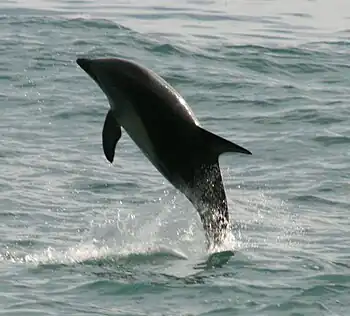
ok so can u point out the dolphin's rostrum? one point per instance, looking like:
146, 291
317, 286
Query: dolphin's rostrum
164, 127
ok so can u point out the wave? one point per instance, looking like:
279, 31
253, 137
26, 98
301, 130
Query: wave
90, 254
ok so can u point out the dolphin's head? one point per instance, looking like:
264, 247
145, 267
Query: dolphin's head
111, 75
108, 70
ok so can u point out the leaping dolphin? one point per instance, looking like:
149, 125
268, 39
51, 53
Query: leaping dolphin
163, 126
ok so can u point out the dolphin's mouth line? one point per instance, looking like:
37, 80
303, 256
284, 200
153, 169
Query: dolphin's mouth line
94, 77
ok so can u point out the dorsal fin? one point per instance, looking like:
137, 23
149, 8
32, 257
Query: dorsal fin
220, 145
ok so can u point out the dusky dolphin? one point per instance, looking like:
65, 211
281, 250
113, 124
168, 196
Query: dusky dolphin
163, 126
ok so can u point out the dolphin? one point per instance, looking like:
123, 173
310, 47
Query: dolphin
163, 126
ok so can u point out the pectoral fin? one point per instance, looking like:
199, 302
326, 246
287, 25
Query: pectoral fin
110, 135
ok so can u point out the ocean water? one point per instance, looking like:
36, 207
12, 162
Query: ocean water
80, 236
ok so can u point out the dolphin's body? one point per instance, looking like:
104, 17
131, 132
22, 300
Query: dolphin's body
163, 126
